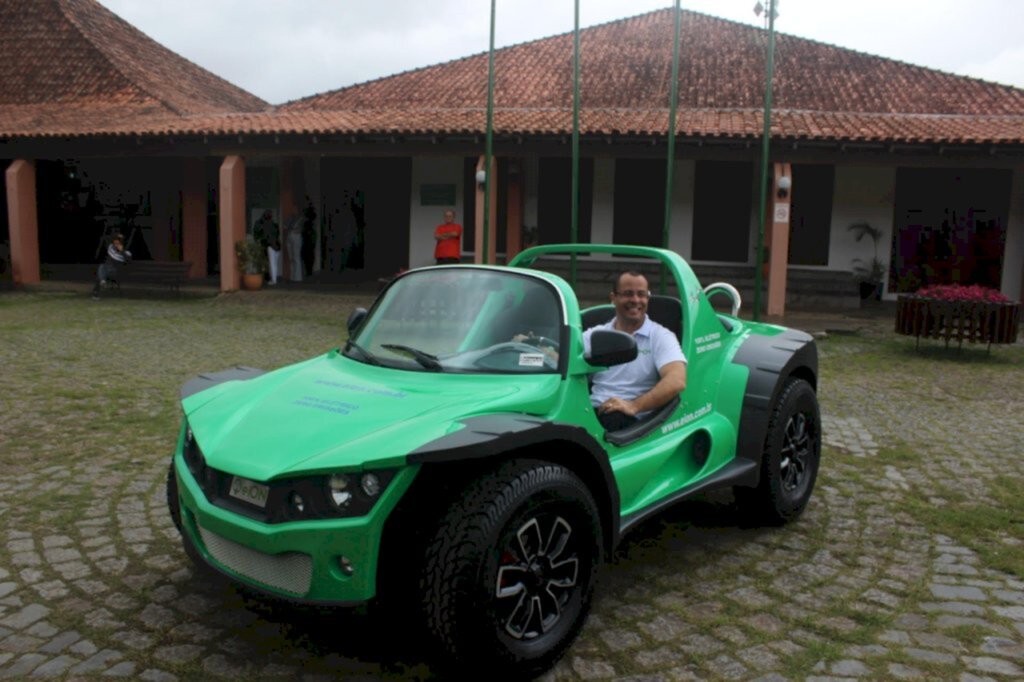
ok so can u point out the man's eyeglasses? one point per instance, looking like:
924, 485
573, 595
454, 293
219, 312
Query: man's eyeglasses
629, 293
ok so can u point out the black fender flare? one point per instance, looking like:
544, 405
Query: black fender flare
207, 380
493, 435
771, 360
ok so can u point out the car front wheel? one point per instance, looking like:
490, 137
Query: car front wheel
508, 579
791, 457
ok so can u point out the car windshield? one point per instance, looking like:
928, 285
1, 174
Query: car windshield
463, 319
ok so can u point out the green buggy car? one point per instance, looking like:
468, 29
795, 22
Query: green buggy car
446, 459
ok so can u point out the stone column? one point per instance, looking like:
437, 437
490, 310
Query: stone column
193, 215
23, 221
779, 242
232, 219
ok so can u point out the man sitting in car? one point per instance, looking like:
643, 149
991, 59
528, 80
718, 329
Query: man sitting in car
623, 394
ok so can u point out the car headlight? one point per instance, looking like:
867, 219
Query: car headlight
354, 494
193, 455
370, 483
337, 490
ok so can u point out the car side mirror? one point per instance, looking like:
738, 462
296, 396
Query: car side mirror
355, 319
609, 347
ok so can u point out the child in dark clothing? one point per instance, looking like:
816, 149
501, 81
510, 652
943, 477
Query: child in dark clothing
117, 256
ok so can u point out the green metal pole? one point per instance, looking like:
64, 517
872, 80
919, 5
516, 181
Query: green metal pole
765, 139
490, 141
574, 227
670, 170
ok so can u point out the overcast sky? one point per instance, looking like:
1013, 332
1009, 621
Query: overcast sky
285, 49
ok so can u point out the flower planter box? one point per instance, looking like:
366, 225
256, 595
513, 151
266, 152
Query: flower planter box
971, 321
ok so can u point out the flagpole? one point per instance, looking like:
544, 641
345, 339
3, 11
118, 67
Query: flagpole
488, 153
670, 170
765, 139
575, 221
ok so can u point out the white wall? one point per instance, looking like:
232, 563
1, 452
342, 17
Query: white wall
423, 219
1013, 260
602, 215
862, 194
680, 238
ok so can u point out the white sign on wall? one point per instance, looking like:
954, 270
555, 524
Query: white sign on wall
781, 213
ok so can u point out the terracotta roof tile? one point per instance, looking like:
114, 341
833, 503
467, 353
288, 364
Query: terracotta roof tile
71, 65
822, 92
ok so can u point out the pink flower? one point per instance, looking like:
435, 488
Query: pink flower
974, 293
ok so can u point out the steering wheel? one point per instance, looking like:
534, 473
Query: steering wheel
511, 347
537, 341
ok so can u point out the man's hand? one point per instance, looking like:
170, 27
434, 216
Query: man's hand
618, 405
672, 383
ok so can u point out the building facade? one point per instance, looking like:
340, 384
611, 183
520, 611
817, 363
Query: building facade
897, 173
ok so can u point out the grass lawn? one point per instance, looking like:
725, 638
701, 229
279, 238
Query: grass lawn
90, 413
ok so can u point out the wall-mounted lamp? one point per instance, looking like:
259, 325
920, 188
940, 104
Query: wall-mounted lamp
785, 182
481, 178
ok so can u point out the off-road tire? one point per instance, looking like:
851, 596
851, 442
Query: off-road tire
792, 453
507, 581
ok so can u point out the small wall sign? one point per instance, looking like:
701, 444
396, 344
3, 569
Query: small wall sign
437, 195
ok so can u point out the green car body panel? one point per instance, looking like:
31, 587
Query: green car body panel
339, 414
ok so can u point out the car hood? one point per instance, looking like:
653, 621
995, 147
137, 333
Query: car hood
333, 412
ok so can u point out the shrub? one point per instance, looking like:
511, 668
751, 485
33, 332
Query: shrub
974, 293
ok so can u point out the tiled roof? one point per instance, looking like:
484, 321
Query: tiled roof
713, 123
626, 64
73, 65
821, 92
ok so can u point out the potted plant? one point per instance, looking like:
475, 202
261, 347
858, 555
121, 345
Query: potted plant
870, 274
252, 260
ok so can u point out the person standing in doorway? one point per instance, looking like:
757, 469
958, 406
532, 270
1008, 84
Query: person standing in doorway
448, 236
265, 231
293, 241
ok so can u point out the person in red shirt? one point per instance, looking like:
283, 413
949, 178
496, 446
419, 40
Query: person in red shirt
449, 240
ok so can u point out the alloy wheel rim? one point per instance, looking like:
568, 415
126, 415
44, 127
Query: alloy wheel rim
537, 575
797, 450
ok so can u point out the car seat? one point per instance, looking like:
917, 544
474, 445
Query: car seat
665, 310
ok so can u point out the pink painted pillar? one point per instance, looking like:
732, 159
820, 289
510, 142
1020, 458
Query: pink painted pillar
23, 221
479, 218
514, 210
193, 215
232, 219
779, 246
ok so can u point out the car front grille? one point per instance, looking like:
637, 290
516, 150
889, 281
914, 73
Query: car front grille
290, 572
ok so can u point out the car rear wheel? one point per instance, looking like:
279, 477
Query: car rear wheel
508, 579
791, 458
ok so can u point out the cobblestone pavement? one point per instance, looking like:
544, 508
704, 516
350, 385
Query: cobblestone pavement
855, 589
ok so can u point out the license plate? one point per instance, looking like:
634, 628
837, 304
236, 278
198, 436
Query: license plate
249, 491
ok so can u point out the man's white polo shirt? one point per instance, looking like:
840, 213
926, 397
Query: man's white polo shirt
656, 347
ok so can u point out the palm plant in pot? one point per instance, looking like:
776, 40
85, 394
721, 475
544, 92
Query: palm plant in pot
870, 274
252, 260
